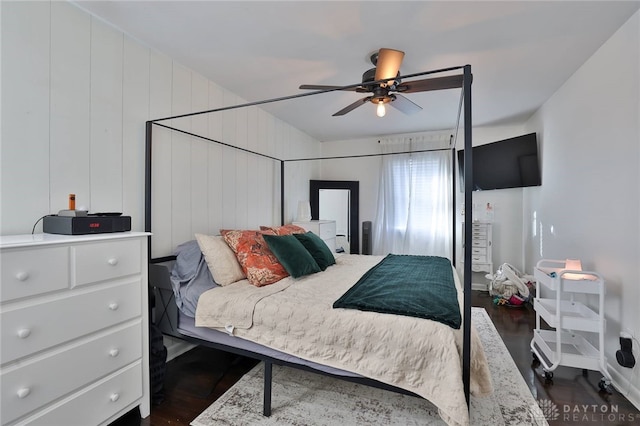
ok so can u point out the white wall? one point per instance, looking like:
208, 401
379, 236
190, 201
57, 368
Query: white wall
75, 96
588, 206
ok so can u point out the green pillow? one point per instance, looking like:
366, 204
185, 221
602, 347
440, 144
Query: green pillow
318, 249
292, 255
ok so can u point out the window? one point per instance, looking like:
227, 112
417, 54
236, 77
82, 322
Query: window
415, 204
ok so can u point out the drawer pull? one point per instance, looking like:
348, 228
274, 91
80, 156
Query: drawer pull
113, 261
114, 397
113, 306
22, 276
23, 333
23, 392
114, 352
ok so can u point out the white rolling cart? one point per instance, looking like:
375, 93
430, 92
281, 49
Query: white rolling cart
566, 344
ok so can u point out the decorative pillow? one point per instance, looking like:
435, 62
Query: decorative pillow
190, 276
292, 254
284, 229
259, 264
222, 262
318, 249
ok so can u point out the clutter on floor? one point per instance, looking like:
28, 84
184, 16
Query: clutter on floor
510, 287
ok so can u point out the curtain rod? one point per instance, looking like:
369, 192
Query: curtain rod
368, 155
302, 95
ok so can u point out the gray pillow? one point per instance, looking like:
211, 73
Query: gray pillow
190, 277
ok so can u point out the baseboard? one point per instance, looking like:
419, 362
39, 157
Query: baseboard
624, 386
479, 286
176, 347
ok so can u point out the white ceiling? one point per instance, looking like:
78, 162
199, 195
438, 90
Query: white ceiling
520, 52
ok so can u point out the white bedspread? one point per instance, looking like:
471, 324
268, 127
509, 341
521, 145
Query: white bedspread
297, 318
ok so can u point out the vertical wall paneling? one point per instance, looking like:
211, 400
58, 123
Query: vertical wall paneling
215, 161
135, 111
269, 203
181, 156
216, 100
242, 166
76, 94
160, 78
70, 127
229, 117
24, 168
254, 179
106, 118
229, 190
273, 176
199, 156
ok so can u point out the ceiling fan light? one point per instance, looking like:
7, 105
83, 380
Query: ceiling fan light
381, 110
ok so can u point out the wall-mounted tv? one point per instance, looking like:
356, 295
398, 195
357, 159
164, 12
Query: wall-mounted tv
509, 163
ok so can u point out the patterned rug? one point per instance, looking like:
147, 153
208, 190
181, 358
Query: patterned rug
303, 398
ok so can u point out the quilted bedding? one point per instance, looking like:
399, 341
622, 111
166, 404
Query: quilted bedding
297, 317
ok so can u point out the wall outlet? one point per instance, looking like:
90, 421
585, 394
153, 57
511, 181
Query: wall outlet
625, 355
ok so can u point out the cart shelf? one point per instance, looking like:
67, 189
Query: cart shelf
565, 344
575, 350
575, 315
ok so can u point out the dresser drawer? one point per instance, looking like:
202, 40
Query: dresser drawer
327, 230
30, 272
483, 267
39, 326
478, 258
479, 243
331, 243
97, 403
479, 251
106, 260
35, 384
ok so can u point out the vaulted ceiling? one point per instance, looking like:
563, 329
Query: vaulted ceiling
521, 52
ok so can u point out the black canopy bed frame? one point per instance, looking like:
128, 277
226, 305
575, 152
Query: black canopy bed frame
167, 311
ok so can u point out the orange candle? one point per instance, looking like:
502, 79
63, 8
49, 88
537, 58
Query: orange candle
72, 201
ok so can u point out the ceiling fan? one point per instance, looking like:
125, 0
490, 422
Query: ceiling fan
389, 86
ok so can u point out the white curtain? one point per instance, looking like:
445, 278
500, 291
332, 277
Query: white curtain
415, 201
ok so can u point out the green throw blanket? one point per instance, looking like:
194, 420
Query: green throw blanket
415, 286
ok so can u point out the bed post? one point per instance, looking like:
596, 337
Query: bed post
147, 184
468, 188
453, 210
281, 192
266, 407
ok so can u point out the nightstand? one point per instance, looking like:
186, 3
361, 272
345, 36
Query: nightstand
325, 229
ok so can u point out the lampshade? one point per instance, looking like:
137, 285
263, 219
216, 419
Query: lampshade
574, 265
304, 211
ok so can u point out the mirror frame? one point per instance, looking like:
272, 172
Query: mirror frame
354, 200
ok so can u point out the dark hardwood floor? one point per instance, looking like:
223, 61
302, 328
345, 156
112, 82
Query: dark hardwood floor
196, 379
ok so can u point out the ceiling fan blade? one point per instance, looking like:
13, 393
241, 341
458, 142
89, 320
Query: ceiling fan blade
405, 105
352, 106
388, 64
437, 83
320, 87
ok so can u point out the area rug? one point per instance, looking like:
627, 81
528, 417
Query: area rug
304, 398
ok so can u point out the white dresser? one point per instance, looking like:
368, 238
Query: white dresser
74, 322
325, 229
481, 245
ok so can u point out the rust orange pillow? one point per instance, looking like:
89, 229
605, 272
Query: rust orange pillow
258, 263
284, 229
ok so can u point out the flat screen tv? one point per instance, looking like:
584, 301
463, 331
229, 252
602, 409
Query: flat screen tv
509, 163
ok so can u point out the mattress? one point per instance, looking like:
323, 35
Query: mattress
186, 326
296, 317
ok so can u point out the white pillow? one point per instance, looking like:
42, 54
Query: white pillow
221, 260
